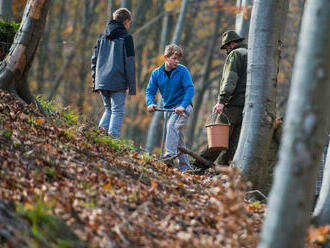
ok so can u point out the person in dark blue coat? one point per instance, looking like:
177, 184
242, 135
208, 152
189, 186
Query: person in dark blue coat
113, 70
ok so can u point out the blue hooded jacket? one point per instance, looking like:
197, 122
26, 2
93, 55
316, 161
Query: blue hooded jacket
113, 62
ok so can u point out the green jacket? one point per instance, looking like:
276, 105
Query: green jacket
233, 82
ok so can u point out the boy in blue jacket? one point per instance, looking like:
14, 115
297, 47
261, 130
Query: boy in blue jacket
113, 70
177, 90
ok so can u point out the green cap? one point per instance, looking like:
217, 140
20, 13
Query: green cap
228, 37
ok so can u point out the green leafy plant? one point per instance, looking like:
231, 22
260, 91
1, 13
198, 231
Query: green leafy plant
7, 34
47, 227
9, 27
115, 144
70, 116
7, 133
52, 173
36, 213
48, 105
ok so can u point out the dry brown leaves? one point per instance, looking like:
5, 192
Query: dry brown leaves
126, 200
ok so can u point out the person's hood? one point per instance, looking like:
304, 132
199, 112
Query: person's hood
114, 30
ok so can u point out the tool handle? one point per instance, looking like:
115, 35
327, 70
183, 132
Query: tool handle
164, 110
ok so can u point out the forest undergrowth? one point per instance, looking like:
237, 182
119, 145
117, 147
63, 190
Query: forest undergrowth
65, 183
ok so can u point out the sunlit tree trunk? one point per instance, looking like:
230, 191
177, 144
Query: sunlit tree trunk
306, 126
243, 17
153, 131
5, 10
322, 209
203, 85
267, 22
15, 67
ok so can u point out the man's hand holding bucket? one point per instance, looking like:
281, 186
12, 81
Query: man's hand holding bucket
218, 108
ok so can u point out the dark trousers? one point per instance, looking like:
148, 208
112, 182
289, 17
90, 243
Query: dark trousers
224, 157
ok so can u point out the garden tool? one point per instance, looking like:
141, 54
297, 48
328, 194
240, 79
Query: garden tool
166, 111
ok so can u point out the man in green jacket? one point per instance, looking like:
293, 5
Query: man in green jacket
231, 97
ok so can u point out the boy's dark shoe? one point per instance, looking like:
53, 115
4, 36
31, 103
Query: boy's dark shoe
199, 166
169, 159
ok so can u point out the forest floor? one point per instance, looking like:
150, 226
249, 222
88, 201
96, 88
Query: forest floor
65, 183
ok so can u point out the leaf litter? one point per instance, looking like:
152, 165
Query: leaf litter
117, 197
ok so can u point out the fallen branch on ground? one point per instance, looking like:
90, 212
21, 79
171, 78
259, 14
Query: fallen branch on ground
196, 156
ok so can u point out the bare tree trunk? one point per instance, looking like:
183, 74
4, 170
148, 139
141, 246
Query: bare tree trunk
268, 19
140, 14
5, 10
58, 36
243, 17
305, 129
15, 68
190, 31
180, 22
89, 12
43, 53
152, 131
60, 73
322, 209
139, 18
203, 83
126, 4
158, 31
67, 87
111, 8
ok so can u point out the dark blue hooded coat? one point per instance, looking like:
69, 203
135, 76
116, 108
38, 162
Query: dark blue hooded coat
113, 62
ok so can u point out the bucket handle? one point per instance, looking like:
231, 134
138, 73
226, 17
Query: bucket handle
214, 116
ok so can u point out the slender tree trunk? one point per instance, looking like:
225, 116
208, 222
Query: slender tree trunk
158, 31
200, 91
126, 4
111, 8
60, 73
58, 34
139, 16
322, 209
268, 19
5, 10
179, 24
68, 87
43, 53
64, 67
89, 12
190, 31
305, 129
152, 132
15, 68
243, 17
